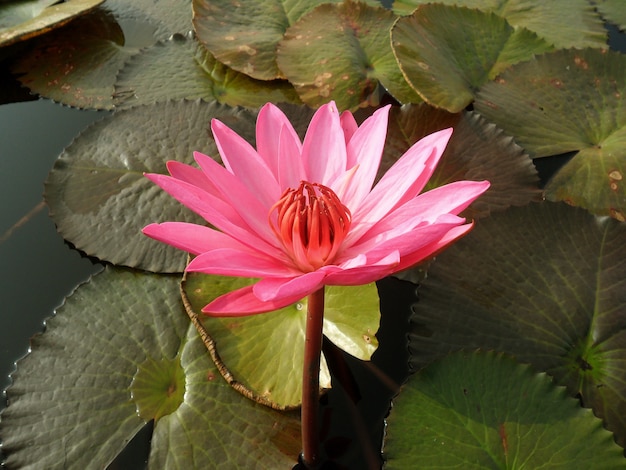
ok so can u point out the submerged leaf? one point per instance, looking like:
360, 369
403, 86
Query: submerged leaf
341, 52
446, 53
482, 410
262, 355
545, 283
98, 196
569, 101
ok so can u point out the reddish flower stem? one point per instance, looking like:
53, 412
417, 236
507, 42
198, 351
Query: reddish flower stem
311, 378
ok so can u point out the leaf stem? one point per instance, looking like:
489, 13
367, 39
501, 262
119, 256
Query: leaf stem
311, 378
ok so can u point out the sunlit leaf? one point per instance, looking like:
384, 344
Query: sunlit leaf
98, 196
545, 283
262, 355
477, 151
341, 52
245, 37
180, 68
569, 101
71, 400
446, 53
563, 23
20, 20
479, 410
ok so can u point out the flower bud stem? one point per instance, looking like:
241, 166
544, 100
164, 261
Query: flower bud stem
311, 378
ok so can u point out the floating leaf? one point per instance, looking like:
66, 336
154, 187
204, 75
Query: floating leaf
71, 398
545, 283
245, 38
96, 191
563, 23
262, 355
569, 101
26, 19
478, 410
341, 52
446, 53
477, 151
180, 68
612, 11
168, 16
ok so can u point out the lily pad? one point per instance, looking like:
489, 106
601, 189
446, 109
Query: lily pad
446, 53
96, 191
563, 23
262, 355
482, 410
20, 20
612, 11
71, 397
544, 283
341, 52
180, 68
567, 101
478, 150
245, 38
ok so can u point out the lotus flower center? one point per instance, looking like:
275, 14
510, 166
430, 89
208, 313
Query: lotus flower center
311, 223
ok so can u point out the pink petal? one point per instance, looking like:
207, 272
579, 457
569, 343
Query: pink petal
214, 210
271, 124
324, 147
451, 198
254, 212
243, 302
191, 175
191, 238
349, 126
367, 273
365, 149
402, 182
240, 263
290, 165
246, 164
289, 287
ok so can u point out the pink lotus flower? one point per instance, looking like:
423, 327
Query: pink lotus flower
301, 215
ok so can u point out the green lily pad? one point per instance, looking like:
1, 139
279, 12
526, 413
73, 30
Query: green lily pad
20, 20
262, 355
341, 52
180, 68
563, 23
612, 11
98, 196
544, 283
569, 101
478, 150
71, 398
245, 38
446, 53
482, 410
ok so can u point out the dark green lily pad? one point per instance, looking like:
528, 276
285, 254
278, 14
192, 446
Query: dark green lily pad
77, 65
245, 38
262, 355
180, 68
482, 410
98, 196
71, 398
478, 150
446, 53
563, 23
20, 20
341, 52
545, 283
568, 101
612, 11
